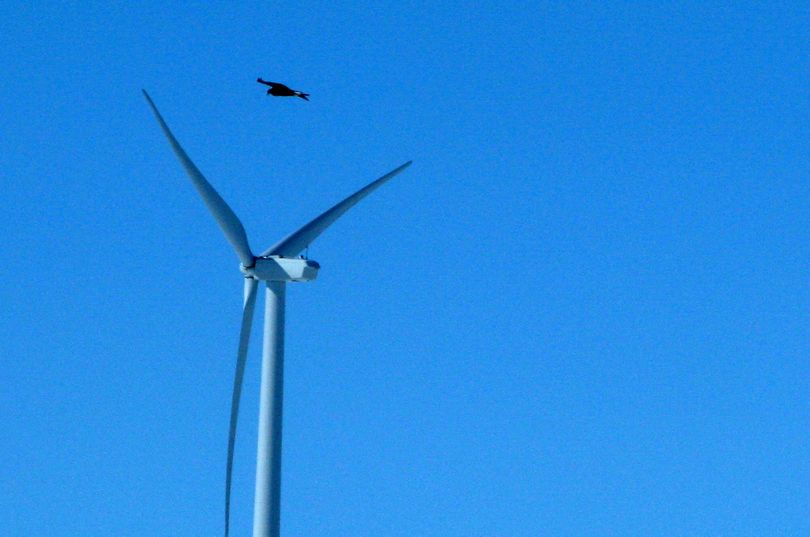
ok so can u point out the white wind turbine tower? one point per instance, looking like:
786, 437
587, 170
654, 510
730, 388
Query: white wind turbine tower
276, 266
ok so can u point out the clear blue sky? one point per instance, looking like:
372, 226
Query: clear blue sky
584, 310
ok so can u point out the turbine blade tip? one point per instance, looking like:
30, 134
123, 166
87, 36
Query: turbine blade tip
148, 98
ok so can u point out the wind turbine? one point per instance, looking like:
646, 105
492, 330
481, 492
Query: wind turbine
276, 266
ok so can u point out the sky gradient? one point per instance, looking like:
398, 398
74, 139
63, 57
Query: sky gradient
583, 310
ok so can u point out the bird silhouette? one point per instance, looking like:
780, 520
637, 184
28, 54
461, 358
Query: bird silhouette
280, 90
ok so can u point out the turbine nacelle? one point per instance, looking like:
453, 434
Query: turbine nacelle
277, 268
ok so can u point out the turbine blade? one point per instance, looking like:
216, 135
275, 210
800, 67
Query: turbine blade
294, 243
225, 217
241, 358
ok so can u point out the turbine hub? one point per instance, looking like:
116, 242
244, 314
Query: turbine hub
282, 269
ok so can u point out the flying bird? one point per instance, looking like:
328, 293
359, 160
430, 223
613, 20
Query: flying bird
280, 90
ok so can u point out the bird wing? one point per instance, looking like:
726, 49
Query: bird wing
273, 85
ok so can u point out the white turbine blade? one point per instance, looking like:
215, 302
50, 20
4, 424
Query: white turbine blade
241, 358
225, 217
294, 243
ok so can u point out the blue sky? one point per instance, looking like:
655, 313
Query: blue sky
582, 311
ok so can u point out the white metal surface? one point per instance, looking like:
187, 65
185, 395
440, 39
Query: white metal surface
267, 501
295, 242
283, 269
241, 359
225, 217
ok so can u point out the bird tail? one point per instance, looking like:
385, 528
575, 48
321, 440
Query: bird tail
303, 95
